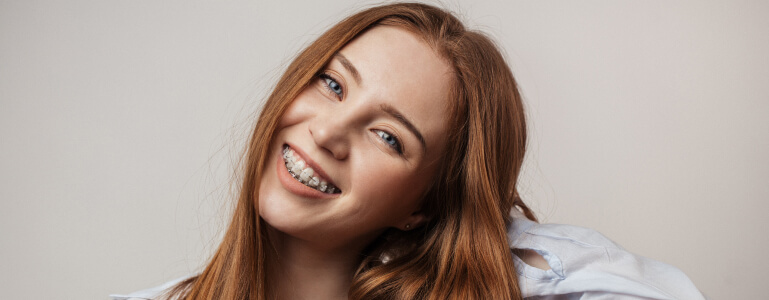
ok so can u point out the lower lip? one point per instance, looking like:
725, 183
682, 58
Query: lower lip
296, 187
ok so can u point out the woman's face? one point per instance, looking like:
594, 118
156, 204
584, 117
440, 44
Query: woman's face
372, 129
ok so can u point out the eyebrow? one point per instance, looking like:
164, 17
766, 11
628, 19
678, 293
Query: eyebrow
390, 110
350, 68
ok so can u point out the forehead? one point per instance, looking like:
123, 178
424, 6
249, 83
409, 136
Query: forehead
399, 68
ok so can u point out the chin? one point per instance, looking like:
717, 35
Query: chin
279, 208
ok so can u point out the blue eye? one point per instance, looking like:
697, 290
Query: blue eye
390, 140
332, 85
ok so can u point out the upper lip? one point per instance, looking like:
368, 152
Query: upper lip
311, 163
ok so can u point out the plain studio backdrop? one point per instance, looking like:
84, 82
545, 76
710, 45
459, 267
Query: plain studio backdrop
121, 121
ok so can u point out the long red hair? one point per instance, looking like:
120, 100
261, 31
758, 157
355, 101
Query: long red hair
463, 251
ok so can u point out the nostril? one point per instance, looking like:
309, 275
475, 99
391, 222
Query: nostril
332, 140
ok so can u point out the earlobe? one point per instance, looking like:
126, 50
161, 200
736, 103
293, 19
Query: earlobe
415, 220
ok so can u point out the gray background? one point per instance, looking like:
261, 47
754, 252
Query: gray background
120, 123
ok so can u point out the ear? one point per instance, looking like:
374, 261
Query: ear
415, 220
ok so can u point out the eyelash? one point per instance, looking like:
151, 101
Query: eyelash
327, 81
397, 146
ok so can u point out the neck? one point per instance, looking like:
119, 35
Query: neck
298, 269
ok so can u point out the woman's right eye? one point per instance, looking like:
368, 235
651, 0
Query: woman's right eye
391, 141
331, 85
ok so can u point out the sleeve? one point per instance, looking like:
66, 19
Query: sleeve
586, 265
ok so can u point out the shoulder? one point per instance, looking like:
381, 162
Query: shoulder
585, 264
150, 293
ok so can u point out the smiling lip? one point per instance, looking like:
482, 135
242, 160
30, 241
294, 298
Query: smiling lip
310, 163
296, 187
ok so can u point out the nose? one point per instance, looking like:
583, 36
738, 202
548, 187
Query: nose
331, 132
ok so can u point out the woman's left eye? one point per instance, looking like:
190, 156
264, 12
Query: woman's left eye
332, 85
390, 140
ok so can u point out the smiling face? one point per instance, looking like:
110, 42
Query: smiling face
372, 127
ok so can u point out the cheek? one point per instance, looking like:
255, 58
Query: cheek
267, 192
392, 190
300, 109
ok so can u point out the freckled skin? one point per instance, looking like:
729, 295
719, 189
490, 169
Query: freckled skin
380, 188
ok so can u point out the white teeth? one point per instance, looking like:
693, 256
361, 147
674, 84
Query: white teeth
308, 177
322, 186
298, 166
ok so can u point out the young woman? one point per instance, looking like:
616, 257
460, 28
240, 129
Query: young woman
384, 166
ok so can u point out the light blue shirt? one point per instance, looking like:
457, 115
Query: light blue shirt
584, 265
